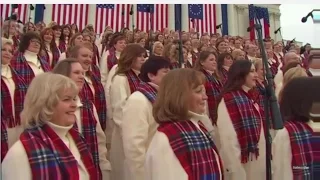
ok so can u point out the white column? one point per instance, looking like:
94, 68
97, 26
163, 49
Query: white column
232, 29
47, 17
92, 14
133, 18
185, 17
171, 16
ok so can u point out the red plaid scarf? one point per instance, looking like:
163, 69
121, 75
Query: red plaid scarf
20, 64
194, 57
133, 81
246, 121
224, 74
62, 46
147, 90
174, 65
112, 58
89, 132
193, 149
302, 155
16, 42
213, 90
96, 71
96, 57
12, 120
55, 57
50, 158
99, 98
315, 142
4, 139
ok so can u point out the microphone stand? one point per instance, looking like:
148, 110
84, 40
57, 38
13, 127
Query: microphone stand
132, 20
151, 31
181, 60
270, 99
279, 30
123, 23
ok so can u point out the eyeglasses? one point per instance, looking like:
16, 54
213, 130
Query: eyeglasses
34, 41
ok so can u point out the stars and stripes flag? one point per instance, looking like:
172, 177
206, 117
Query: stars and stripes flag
202, 17
71, 13
152, 16
117, 16
263, 16
21, 11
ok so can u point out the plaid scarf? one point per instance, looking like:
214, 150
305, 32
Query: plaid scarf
147, 90
194, 57
51, 159
133, 80
187, 65
213, 90
99, 98
12, 120
16, 42
89, 124
112, 58
302, 156
20, 64
4, 139
193, 149
55, 57
62, 46
96, 71
96, 57
315, 142
224, 74
174, 65
246, 121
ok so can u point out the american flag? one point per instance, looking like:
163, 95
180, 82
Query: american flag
115, 15
21, 11
150, 16
71, 13
202, 17
263, 16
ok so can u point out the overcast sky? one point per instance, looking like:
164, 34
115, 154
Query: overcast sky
291, 24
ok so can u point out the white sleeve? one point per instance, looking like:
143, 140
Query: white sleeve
161, 162
104, 68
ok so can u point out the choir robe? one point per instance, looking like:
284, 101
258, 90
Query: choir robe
282, 153
28, 65
16, 164
51, 56
119, 93
104, 164
110, 124
96, 55
230, 151
138, 128
17, 89
104, 66
161, 162
62, 56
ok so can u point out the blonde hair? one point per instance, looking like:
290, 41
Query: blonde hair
5, 41
42, 96
235, 53
174, 93
291, 74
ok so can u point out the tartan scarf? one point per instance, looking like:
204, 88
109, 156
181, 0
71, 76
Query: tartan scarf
89, 132
16, 42
147, 90
4, 139
96, 57
62, 46
55, 57
112, 58
194, 57
315, 143
300, 135
193, 149
96, 71
224, 74
213, 90
246, 121
12, 120
174, 65
99, 98
20, 64
51, 159
133, 80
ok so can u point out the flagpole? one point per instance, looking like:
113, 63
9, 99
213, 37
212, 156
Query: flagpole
132, 19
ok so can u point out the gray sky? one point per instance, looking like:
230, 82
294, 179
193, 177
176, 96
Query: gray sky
292, 27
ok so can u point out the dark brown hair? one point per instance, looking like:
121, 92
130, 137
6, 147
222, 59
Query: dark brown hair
63, 67
26, 38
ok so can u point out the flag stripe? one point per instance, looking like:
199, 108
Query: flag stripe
71, 13
21, 11
158, 19
117, 18
208, 22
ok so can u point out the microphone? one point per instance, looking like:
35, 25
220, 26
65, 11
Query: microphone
131, 10
304, 19
249, 29
219, 26
31, 7
14, 6
276, 31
